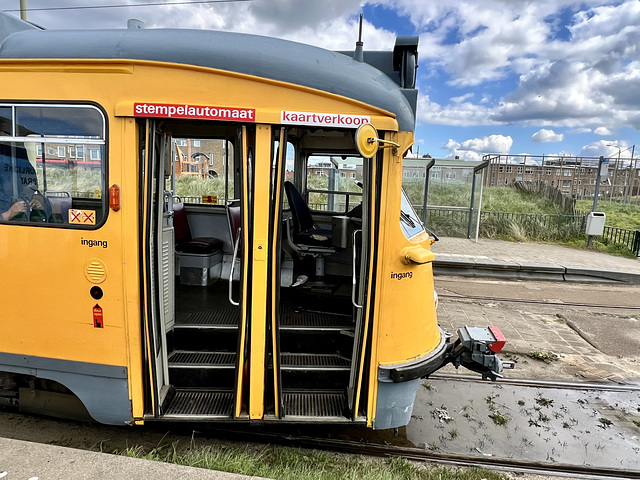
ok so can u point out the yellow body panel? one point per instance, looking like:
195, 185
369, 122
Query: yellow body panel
405, 325
51, 305
260, 269
406, 308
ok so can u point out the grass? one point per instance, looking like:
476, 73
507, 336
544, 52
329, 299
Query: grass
618, 214
499, 419
544, 357
558, 230
282, 463
494, 199
192, 186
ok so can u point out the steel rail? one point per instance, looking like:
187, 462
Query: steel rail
520, 382
535, 302
449, 459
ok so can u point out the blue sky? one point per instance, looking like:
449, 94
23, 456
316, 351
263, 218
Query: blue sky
495, 76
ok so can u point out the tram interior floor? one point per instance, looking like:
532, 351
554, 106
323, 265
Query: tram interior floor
315, 334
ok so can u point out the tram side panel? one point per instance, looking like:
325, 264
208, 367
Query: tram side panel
63, 292
406, 333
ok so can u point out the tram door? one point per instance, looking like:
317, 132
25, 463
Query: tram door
321, 302
204, 309
158, 258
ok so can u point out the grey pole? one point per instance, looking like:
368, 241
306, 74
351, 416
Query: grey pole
629, 175
427, 169
332, 187
23, 10
472, 204
595, 197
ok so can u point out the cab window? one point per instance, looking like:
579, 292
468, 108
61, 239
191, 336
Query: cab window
203, 170
52, 165
333, 182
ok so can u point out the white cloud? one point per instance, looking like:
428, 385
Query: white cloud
585, 74
505, 62
603, 132
547, 135
474, 148
461, 98
607, 149
458, 114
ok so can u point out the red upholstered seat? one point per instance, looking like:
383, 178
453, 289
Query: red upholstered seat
184, 242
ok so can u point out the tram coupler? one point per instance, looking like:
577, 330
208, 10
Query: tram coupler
477, 349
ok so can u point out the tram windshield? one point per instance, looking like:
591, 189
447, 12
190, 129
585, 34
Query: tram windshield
409, 220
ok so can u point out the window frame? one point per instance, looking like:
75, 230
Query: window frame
62, 142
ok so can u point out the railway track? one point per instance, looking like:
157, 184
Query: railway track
481, 460
603, 387
448, 459
534, 302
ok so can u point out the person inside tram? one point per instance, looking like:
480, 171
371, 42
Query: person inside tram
18, 182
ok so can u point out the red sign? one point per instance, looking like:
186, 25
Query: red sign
98, 321
171, 110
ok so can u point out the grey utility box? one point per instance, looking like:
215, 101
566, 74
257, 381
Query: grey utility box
595, 223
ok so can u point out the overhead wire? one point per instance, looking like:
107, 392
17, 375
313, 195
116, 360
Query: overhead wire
146, 4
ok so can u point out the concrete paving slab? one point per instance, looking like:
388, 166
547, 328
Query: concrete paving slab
617, 335
502, 265
542, 267
21, 460
601, 272
450, 261
496, 259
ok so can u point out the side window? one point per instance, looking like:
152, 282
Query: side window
333, 182
409, 221
203, 170
46, 174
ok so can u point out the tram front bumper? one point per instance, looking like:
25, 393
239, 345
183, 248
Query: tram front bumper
475, 349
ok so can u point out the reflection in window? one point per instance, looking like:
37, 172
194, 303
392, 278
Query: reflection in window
203, 167
44, 177
333, 182
409, 221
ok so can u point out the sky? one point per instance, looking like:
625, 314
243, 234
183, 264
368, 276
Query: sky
538, 77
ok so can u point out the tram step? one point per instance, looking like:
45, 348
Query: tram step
328, 405
214, 330
206, 404
205, 338
221, 317
188, 369
316, 341
291, 319
309, 371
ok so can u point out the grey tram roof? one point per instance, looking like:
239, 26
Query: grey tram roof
260, 56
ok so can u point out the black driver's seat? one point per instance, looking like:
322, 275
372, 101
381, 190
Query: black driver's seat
307, 239
305, 232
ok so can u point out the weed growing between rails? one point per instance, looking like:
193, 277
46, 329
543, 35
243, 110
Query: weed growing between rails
283, 463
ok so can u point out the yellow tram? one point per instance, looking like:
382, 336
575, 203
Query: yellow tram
210, 226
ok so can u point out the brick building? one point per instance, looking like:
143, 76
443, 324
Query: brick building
573, 176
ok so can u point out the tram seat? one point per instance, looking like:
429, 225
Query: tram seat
59, 208
307, 238
199, 259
